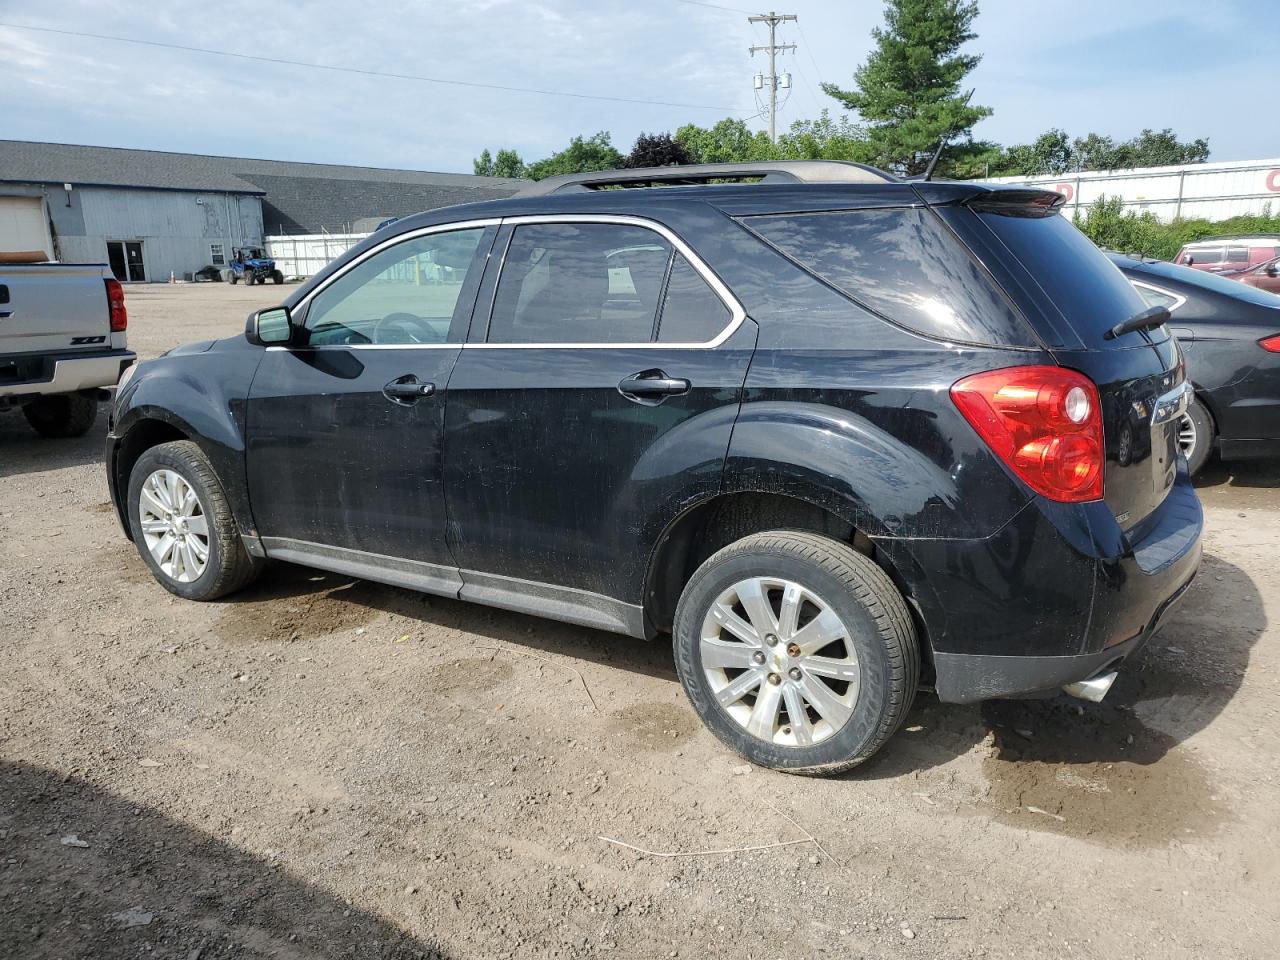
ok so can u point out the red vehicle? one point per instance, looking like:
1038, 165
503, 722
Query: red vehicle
1265, 276
1229, 255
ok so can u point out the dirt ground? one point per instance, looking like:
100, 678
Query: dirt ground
323, 767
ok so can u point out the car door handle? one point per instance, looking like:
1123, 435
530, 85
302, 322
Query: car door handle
407, 389
652, 383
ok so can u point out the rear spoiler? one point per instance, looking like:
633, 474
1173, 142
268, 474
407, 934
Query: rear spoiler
1017, 202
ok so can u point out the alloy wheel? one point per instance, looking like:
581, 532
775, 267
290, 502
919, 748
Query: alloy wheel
780, 661
1187, 436
174, 525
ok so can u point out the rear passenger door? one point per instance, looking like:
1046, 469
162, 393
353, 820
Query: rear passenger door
592, 403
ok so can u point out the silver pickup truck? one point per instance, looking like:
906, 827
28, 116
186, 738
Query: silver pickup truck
62, 342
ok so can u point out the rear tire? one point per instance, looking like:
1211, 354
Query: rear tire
227, 566
277, 276
1196, 436
233, 279
62, 415
850, 693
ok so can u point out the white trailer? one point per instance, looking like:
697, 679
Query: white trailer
302, 255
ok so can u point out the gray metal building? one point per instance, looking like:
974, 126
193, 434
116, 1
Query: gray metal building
149, 213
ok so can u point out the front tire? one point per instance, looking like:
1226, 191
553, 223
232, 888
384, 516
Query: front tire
63, 415
277, 277
1195, 436
796, 651
183, 526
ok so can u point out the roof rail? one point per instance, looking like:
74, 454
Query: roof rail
769, 171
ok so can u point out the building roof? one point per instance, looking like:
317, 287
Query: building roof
297, 197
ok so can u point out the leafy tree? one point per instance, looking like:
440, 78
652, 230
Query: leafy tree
728, 141
506, 164
656, 150
1050, 153
826, 139
1147, 149
1152, 149
583, 154
909, 88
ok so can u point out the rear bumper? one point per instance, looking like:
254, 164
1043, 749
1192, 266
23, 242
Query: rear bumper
69, 373
1058, 595
966, 678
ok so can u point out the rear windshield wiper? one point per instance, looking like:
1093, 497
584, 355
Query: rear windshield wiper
1146, 320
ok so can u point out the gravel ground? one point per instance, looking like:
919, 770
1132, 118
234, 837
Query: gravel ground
322, 767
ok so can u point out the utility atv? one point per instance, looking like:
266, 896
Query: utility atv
252, 265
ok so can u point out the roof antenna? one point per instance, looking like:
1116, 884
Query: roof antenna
942, 143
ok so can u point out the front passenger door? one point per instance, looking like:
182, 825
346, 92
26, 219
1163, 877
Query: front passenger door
345, 428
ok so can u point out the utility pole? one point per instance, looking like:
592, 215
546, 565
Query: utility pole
773, 49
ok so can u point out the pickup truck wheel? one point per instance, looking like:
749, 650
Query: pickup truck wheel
277, 276
233, 279
1195, 436
62, 415
797, 651
182, 524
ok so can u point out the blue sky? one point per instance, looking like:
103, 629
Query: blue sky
1110, 66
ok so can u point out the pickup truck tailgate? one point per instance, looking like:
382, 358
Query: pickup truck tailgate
47, 308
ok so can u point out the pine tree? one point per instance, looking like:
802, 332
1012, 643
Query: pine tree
908, 91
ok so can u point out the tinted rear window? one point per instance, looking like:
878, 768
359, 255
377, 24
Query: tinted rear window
1077, 281
904, 264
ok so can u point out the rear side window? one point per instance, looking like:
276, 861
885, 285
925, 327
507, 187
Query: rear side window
1205, 255
1237, 254
1157, 298
579, 283
905, 265
1069, 276
691, 310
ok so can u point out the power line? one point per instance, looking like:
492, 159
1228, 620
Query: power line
808, 49
367, 73
713, 6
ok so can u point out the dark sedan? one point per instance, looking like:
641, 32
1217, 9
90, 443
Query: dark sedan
1230, 335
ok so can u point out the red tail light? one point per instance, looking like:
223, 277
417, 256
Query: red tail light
1045, 423
1271, 344
115, 304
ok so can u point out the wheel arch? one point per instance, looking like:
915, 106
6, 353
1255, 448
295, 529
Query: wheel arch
146, 426
713, 523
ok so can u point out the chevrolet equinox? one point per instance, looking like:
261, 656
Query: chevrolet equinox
839, 434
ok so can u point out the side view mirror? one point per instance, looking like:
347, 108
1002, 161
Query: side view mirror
1188, 260
1272, 270
270, 327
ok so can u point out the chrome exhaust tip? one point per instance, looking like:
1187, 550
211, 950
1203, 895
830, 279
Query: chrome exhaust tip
1093, 689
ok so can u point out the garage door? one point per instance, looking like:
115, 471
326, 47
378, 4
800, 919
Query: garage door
23, 226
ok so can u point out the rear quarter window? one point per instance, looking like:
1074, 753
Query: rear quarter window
905, 265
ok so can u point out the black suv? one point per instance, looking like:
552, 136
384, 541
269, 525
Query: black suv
837, 433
